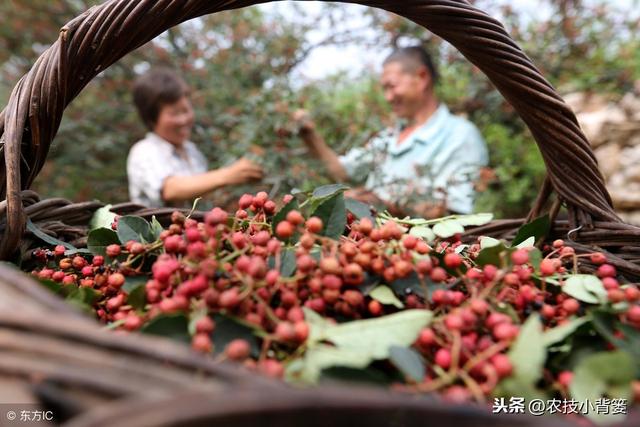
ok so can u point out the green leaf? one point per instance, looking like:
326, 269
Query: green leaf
102, 218
385, 295
327, 191
227, 330
134, 228
369, 283
606, 324
528, 353
317, 325
409, 362
551, 280
322, 356
631, 341
357, 343
358, 208
135, 287
474, 219
424, 232
194, 317
511, 386
609, 374
489, 242
411, 282
538, 228
156, 228
316, 253
374, 337
491, 255
586, 288
100, 238
559, 333
333, 214
508, 309
46, 238
65, 290
83, 298
620, 307
174, 326
53, 286
132, 282
287, 262
281, 215
416, 221
535, 258
448, 228
527, 243
597, 288
137, 297
461, 249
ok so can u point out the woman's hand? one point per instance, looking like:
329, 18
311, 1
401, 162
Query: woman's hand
242, 171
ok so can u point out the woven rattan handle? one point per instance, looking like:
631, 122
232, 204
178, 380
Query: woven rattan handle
102, 35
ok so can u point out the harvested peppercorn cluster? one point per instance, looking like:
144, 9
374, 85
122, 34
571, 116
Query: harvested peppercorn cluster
323, 288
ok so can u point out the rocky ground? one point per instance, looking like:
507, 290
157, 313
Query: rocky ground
613, 128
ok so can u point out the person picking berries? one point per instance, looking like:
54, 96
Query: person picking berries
431, 154
165, 168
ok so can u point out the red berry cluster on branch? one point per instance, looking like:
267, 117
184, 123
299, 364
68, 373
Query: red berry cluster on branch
263, 269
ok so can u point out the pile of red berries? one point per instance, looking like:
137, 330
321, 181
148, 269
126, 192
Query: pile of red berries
263, 267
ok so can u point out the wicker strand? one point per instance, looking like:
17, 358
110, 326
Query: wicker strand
105, 33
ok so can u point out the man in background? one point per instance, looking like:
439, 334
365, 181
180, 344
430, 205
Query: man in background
166, 168
427, 164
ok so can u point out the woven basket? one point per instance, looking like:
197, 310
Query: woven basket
56, 359
96, 384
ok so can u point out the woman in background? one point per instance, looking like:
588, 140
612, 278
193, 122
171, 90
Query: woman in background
165, 168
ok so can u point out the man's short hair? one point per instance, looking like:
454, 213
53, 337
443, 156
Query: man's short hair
412, 58
154, 89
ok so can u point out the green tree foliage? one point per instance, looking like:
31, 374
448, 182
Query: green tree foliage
240, 65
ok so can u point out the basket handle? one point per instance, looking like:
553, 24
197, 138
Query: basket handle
105, 33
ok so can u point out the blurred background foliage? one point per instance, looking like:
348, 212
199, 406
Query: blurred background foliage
241, 67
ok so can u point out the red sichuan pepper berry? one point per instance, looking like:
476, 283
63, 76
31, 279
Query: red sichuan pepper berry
238, 349
314, 225
285, 229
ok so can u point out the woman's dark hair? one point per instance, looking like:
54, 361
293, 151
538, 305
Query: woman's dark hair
154, 89
412, 58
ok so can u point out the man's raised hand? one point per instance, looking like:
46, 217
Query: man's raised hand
304, 120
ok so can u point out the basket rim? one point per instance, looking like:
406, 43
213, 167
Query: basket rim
100, 36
